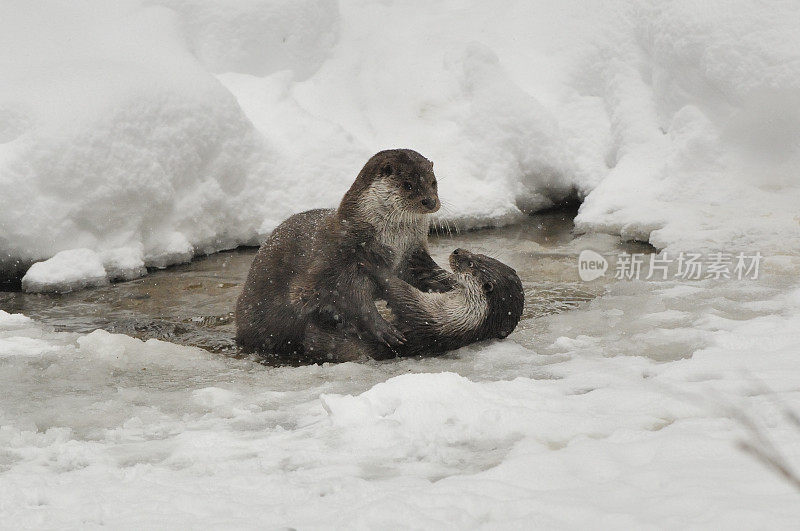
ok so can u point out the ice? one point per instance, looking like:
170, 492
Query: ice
84, 268
624, 412
13, 321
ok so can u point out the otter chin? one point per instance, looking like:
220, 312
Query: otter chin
461, 261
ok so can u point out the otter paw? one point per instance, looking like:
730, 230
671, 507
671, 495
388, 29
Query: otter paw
388, 335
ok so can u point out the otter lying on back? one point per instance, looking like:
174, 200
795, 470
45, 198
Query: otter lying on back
486, 303
307, 293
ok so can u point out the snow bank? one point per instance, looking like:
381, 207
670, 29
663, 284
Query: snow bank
626, 413
677, 122
118, 137
178, 127
705, 127
124, 263
258, 37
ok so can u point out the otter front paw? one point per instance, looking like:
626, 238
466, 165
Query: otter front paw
386, 334
441, 284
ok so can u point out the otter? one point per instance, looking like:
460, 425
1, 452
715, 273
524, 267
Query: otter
307, 292
486, 303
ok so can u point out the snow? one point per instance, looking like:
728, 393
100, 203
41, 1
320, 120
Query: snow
84, 268
124, 263
141, 134
624, 413
119, 137
67, 270
705, 128
187, 127
257, 36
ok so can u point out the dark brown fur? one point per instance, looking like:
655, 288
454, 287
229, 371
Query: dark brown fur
307, 293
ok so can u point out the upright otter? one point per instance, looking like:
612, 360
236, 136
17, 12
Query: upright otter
307, 291
486, 303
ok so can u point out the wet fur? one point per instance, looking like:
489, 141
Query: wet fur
438, 322
307, 294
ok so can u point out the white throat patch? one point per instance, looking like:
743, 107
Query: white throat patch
463, 308
396, 228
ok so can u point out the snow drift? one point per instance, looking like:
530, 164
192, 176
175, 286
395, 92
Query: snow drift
122, 140
164, 129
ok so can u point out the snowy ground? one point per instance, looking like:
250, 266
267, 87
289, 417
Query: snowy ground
622, 414
144, 133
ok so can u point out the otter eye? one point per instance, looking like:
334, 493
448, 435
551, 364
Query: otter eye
488, 287
386, 170
408, 186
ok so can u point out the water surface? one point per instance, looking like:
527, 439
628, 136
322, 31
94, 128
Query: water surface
192, 304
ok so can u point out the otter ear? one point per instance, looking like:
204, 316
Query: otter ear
488, 287
386, 170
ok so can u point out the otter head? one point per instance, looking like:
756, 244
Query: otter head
394, 182
499, 284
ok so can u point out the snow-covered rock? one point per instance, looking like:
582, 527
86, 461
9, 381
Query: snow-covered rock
66, 271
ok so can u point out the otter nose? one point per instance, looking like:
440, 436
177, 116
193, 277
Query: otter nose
458, 251
429, 202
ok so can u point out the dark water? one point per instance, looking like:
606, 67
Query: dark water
192, 304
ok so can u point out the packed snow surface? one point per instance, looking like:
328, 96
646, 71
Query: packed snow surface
169, 128
627, 413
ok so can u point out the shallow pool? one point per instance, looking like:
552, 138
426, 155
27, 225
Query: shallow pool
192, 304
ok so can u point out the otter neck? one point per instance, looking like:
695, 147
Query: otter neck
461, 310
377, 206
